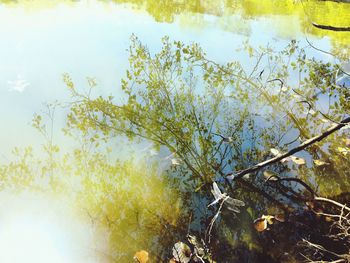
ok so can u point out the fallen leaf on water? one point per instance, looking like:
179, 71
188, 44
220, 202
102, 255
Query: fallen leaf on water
269, 219
141, 256
298, 160
181, 252
260, 224
280, 217
320, 163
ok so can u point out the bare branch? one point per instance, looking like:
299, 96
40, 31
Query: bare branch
299, 148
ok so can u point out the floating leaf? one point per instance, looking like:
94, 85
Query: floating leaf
280, 218
269, 219
275, 152
260, 224
141, 256
182, 252
320, 163
298, 160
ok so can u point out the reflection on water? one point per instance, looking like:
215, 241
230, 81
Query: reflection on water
42, 40
143, 202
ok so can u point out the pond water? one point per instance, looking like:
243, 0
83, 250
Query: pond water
42, 40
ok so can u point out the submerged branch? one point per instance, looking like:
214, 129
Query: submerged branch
332, 28
323, 199
301, 147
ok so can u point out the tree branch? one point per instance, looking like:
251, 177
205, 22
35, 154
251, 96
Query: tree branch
332, 28
301, 147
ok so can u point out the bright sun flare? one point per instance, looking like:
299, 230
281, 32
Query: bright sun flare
40, 231
29, 240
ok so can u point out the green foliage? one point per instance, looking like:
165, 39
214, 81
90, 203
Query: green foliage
213, 119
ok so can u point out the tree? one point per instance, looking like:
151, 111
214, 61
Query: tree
220, 118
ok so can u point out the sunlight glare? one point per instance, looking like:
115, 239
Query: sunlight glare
36, 230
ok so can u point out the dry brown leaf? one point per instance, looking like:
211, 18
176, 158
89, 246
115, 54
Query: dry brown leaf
260, 224
141, 256
280, 218
310, 204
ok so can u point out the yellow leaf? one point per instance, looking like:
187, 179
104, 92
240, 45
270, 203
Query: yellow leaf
320, 163
297, 160
268, 218
347, 142
141, 256
328, 219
